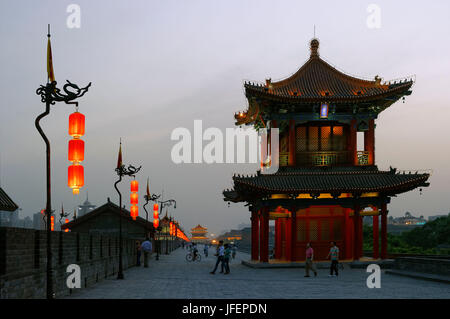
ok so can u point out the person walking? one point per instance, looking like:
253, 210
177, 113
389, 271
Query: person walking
334, 255
226, 258
233, 250
205, 250
138, 253
219, 253
309, 265
147, 248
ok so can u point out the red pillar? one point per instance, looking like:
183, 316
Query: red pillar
277, 238
293, 238
255, 235
361, 237
356, 236
264, 235
384, 231
369, 141
348, 234
291, 143
288, 236
353, 142
376, 238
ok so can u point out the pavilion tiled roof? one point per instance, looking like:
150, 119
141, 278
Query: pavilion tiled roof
6, 203
292, 180
107, 207
199, 228
317, 80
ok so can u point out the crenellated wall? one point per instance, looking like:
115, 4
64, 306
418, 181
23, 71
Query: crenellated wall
23, 260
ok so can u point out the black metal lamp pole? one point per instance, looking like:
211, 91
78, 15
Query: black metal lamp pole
122, 171
50, 94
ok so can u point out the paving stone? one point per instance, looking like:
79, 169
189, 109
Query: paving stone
173, 277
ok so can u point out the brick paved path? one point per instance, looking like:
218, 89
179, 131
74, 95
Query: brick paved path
173, 277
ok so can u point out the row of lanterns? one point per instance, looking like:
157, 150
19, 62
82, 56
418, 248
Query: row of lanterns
134, 211
155, 216
76, 152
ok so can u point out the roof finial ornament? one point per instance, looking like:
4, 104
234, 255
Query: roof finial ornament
314, 48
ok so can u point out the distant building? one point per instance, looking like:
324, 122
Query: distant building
408, 219
431, 218
38, 221
85, 208
199, 234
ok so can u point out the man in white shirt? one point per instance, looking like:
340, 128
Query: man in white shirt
219, 254
146, 247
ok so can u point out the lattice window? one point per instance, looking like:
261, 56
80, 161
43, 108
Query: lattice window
338, 138
313, 138
325, 140
313, 230
337, 229
301, 140
325, 229
284, 147
319, 211
301, 230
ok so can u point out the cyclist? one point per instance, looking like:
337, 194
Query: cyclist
194, 251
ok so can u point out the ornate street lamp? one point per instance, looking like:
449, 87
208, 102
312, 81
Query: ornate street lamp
151, 198
163, 204
50, 94
122, 171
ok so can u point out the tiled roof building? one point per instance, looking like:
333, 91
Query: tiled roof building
324, 184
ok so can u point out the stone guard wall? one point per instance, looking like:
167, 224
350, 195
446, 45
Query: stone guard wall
23, 260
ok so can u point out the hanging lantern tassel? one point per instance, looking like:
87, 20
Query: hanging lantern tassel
76, 177
134, 212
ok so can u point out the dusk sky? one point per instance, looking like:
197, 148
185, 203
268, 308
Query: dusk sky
159, 65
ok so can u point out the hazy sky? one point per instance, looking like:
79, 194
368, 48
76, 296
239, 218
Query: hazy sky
159, 65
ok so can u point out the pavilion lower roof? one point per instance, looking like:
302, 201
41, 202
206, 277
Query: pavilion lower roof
295, 181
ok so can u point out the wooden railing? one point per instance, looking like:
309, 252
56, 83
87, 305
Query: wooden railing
363, 158
325, 158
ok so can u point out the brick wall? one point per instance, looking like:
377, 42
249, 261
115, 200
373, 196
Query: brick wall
23, 260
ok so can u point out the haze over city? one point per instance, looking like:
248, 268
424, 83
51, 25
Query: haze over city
157, 66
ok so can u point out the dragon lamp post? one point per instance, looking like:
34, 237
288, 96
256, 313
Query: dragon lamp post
121, 170
50, 94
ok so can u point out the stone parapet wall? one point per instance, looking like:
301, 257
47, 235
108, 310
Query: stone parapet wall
23, 259
423, 265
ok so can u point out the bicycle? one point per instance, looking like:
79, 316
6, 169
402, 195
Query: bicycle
190, 257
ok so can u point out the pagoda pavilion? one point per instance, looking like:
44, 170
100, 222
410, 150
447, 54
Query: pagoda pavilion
199, 234
325, 184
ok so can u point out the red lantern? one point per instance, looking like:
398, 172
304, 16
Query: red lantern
67, 229
155, 223
75, 177
155, 214
76, 150
155, 207
52, 223
134, 198
76, 124
134, 186
134, 212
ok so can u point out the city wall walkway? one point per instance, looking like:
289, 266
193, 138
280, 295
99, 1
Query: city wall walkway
173, 277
